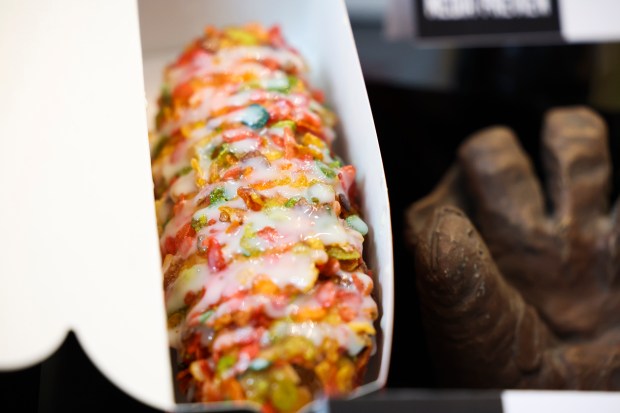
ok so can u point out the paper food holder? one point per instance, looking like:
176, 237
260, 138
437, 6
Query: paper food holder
79, 249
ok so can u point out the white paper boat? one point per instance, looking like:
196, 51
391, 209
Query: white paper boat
79, 248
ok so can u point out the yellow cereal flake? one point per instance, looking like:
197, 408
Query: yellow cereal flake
315, 243
285, 166
153, 138
311, 139
273, 155
214, 174
248, 77
223, 320
233, 214
186, 130
241, 36
258, 31
294, 346
197, 371
247, 171
310, 314
164, 153
345, 374
323, 371
303, 397
315, 275
261, 186
362, 327
264, 285
276, 201
333, 318
200, 174
300, 182
330, 347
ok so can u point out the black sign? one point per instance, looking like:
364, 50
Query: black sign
458, 19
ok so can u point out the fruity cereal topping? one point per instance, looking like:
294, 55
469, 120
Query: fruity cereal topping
267, 294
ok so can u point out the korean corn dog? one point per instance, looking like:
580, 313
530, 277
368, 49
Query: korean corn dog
267, 294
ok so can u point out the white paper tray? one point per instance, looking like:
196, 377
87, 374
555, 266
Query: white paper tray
79, 249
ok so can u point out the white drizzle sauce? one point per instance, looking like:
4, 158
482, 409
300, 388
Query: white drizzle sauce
270, 243
318, 332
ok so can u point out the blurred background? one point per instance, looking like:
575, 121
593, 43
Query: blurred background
426, 99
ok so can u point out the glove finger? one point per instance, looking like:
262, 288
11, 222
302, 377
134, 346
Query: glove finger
578, 166
447, 192
593, 365
479, 329
509, 200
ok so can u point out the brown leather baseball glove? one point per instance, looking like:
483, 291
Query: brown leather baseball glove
528, 296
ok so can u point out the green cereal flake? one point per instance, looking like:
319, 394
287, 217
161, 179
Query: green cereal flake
217, 196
